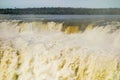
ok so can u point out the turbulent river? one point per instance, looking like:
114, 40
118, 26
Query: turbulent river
39, 50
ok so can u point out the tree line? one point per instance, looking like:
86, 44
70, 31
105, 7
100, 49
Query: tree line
59, 10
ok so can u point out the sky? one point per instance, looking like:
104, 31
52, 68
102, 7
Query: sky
60, 3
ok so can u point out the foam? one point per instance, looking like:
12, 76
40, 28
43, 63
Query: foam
42, 51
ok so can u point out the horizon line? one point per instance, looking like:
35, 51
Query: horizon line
61, 7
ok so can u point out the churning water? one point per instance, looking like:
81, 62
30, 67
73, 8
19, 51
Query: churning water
47, 50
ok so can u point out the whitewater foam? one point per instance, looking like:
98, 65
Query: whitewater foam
43, 51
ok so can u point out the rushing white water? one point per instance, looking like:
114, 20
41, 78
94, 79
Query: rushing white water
47, 51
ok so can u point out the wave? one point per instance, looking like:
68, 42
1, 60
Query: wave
52, 51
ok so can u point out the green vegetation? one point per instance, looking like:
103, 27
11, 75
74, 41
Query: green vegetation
88, 11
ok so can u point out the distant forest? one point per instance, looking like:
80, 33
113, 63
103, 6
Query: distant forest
58, 10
